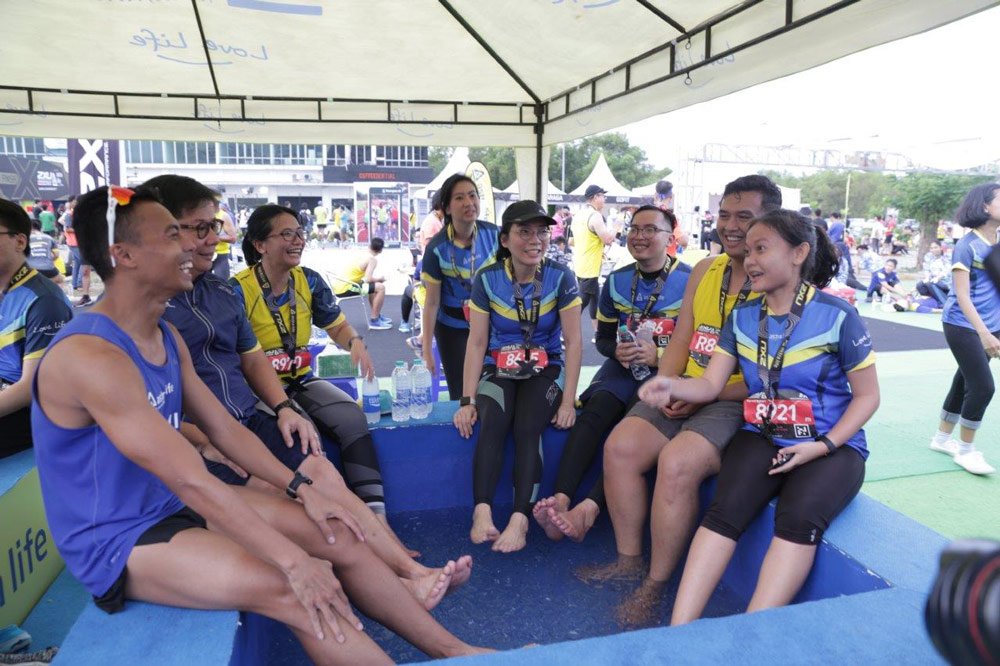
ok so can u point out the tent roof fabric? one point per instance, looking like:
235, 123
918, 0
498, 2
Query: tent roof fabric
601, 176
450, 72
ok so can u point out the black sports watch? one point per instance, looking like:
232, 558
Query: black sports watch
286, 403
293, 486
466, 400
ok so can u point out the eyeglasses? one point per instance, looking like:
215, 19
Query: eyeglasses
288, 235
646, 232
11, 233
202, 228
117, 196
527, 233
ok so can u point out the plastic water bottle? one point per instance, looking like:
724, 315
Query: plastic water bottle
401, 389
420, 399
370, 401
639, 370
887, 302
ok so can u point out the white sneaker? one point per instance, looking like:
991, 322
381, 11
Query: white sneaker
950, 447
974, 462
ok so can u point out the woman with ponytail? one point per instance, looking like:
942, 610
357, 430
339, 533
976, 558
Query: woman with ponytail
452, 257
809, 367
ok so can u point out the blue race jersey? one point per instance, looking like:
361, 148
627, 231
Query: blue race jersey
616, 306
212, 323
98, 502
32, 312
493, 294
452, 266
829, 342
880, 276
969, 254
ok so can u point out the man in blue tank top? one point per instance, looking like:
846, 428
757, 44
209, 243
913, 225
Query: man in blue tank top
133, 510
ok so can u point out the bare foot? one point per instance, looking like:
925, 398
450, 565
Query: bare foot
463, 571
626, 567
541, 515
576, 522
514, 535
642, 607
429, 590
483, 528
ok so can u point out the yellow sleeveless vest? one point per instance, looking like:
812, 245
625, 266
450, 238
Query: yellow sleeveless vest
588, 249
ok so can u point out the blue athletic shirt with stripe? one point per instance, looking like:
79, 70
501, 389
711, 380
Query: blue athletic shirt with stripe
615, 304
31, 313
969, 254
97, 501
493, 294
214, 326
450, 265
829, 342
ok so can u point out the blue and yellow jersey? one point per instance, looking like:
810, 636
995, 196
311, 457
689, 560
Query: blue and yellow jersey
829, 342
493, 294
969, 254
32, 311
452, 266
616, 306
314, 305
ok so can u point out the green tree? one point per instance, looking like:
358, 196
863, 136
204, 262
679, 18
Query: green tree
438, 157
931, 197
870, 192
500, 163
628, 163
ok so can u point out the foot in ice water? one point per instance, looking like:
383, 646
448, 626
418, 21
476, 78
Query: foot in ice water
576, 522
541, 515
430, 589
626, 567
463, 571
641, 608
514, 536
483, 528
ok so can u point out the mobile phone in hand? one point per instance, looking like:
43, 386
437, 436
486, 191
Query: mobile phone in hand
782, 459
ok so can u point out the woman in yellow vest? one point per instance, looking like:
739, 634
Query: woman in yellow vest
283, 301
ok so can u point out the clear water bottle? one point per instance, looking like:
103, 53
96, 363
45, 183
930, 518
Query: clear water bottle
401, 390
370, 401
639, 370
420, 399
887, 302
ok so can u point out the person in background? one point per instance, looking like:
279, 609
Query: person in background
972, 328
877, 234
819, 220
590, 236
361, 272
558, 251
221, 265
664, 199
525, 378
48, 221
936, 281
885, 280
563, 219
432, 223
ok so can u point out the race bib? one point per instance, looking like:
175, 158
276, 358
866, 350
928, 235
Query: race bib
787, 417
512, 363
663, 328
282, 363
703, 344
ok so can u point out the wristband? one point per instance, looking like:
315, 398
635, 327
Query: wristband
293, 486
829, 443
286, 403
356, 337
466, 400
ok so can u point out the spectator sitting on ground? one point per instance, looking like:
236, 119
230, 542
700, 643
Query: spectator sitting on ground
936, 281
559, 252
885, 280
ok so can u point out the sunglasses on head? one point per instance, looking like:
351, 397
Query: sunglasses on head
117, 196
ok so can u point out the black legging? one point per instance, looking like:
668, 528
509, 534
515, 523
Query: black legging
809, 497
534, 401
451, 348
406, 303
16, 429
972, 388
340, 419
602, 411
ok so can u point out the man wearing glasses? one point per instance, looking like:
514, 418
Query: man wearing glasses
32, 310
645, 293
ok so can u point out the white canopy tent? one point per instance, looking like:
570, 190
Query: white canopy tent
519, 73
601, 176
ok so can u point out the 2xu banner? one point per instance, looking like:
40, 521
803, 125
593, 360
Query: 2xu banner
26, 179
93, 163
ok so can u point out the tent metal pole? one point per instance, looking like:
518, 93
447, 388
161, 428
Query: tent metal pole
539, 130
204, 45
662, 16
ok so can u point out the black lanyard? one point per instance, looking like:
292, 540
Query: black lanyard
727, 276
15, 279
661, 280
528, 322
466, 284
769, 376
287, 336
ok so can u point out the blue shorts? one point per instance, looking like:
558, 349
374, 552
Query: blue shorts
266, 428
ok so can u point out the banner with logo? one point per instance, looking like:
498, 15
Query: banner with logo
382, 211
26, 179
480, 175
92, 164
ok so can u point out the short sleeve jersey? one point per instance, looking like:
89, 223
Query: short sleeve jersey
616, 304
32, 311
493, 294
41, 246
452, 266
829, 342
969, 255
315, 305
880, 276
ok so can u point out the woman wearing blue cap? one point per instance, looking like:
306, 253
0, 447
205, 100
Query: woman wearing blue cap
522, 309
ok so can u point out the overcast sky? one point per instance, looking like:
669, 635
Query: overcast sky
933, 97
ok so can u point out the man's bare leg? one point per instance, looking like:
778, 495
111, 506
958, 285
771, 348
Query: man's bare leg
201, 569
681, 467
377, 299
384, 519
369, 582
631, 450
